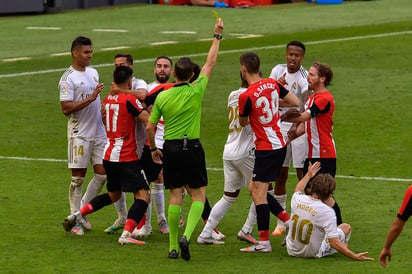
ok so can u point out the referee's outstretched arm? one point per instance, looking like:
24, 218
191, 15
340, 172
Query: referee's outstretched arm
214, 49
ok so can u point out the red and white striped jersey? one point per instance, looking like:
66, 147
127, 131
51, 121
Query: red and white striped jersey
319, 128
121, 112
261, 103
406, 209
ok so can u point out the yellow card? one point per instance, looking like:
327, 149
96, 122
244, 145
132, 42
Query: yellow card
216, 14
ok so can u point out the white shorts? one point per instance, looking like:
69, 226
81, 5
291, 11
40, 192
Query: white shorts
297, 150
238, 173
326, 250
81, 152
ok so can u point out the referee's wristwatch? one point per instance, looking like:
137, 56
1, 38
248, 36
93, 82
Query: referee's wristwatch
218, 36
153, 149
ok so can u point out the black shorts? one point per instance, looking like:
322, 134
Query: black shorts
327, 165
151, 169
125, 176
268, 164
184, 164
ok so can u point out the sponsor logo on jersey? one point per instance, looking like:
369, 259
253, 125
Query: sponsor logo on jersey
64, 90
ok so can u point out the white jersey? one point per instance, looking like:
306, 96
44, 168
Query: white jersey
160, 127
140, 128
311, 223
76, 86
297, 83
239, 141
139, 83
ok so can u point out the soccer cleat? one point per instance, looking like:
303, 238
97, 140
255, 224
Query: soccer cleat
279, 230
258, 247
85, 223
184, 248
69, 222
217, 235
78, 230
208, 241
283, 243
163, 227
246, 236
127, 239
116, 226
142, 233
173, 254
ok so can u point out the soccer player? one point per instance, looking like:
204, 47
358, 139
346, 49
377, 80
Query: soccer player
259, 107
397, 226
162, 70
139, 90
238, 160
292, 76
183, 157
80, 101
317, 122
313, 232
124, 172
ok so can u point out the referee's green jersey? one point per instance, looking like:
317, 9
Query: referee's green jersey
180, 107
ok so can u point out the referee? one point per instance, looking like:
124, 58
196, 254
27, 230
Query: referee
183, 156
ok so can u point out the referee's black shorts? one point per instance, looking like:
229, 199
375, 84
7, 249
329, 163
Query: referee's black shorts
184, 164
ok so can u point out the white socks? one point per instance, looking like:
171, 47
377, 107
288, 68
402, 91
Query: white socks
216, 214
75, 193
158, 198
94, 188
121, 208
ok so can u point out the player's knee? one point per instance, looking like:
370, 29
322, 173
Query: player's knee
142, 194
346, 228
230, 199
76, 181
101, 178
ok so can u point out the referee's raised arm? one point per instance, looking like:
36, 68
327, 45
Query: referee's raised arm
214, 49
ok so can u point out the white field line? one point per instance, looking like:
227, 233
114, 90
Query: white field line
222, 52
44, 28
110, 30
367, 178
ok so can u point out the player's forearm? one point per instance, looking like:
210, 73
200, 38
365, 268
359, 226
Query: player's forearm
151, 134
394, 232
71, 107
338, 246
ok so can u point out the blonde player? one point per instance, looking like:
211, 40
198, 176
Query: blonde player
313, 232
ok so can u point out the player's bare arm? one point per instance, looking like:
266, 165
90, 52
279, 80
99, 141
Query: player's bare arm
244, 121
313, 169
69, 107
156, 153
140, 93
394, 231
341, 248
295, 116
295, 131
214, 49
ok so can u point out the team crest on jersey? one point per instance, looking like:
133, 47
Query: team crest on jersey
294, 85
